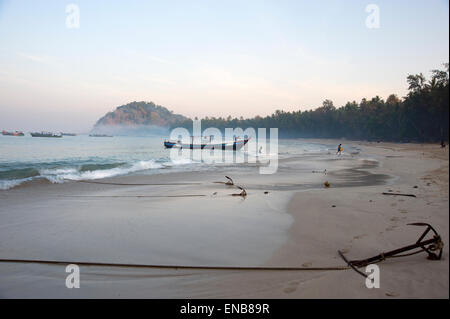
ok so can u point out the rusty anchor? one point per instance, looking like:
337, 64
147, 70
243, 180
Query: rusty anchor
432, 246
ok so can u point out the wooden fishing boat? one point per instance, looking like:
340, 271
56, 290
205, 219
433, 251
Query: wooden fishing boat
232, 146
45, 134
16, 133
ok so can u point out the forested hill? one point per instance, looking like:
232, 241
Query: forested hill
423, 115
140, 114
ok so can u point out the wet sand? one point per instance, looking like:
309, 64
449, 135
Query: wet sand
363, 223
294, 224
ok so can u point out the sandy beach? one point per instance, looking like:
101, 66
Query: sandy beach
288, 219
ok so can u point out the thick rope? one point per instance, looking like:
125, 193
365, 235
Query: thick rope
58, 262
133, 196
129, 184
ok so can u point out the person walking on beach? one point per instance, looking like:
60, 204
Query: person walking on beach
339, 150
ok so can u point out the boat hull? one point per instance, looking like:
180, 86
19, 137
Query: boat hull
17, 133
208, 146
45, 135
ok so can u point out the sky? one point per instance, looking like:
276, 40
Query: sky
207, 58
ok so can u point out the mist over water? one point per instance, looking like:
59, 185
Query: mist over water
131, 130
88, 158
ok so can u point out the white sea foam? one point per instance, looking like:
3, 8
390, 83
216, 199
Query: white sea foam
7, 184
179, 161
59, 175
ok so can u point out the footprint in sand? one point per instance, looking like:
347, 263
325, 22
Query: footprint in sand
390, 228
395, 219
292, 286
401, 200
307, 264
403, 211
392, 294
359, 236
394, 204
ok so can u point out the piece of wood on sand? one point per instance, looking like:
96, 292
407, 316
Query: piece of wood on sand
399, 194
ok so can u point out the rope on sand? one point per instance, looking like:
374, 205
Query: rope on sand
229, 182
58, 262
129, 184
134, 196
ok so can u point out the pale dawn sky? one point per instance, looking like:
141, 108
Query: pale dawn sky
207, 58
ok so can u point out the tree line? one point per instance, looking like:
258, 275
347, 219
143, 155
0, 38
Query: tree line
422, 116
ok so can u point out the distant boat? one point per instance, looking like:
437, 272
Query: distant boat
99, 135
16, 133
232, 146
68, 134
45, 134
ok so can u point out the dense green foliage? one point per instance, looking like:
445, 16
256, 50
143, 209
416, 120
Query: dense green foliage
139, 113
423, 115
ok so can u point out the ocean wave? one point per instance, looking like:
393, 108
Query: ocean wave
14, 177
60, 175
7, 184
18, 173
94, 167
179, 162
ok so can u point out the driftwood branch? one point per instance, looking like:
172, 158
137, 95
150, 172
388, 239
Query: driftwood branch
399, 194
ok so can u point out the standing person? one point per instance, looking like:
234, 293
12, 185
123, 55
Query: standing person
339, 150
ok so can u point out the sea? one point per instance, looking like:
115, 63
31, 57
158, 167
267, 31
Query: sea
81, 157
